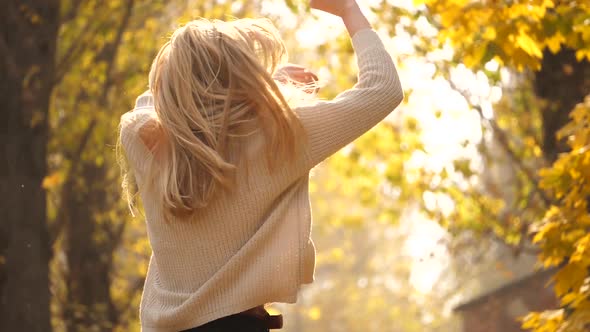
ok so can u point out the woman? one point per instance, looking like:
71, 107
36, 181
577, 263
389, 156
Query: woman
222, 163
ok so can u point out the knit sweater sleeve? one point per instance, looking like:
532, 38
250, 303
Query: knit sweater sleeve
331, 125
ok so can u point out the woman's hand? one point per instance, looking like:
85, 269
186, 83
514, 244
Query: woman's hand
298, 75
335, 7
348, 10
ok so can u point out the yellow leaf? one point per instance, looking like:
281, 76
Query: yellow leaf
582, 247
52, 180
528, 45
474, 58
545, 230
315, 313
583, 53
554, 43
490, 33
569, 278
337, 254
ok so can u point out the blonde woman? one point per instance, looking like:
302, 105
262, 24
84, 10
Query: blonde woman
222, 164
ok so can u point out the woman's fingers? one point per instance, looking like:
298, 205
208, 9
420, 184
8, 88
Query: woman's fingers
304, 77
314, 76
296, 73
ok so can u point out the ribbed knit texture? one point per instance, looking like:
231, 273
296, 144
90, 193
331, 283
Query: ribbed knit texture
252, 245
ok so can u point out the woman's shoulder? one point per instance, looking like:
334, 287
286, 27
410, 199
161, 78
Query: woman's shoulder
146, 99
138, 119
143, 111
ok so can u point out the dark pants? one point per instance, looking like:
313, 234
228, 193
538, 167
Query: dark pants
233, 323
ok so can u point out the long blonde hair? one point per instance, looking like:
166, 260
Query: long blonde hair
209, 81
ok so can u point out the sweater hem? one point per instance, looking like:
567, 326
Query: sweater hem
219, 313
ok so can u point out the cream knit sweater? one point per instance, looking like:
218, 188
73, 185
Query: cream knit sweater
252, 246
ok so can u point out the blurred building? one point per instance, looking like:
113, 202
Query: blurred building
499, 310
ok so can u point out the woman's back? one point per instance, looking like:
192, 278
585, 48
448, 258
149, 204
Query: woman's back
235, 248
250, 244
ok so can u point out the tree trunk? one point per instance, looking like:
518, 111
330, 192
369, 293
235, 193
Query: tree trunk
562, 82
90, 237
27, 54
89, 249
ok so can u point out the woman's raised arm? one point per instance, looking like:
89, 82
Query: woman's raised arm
331, 125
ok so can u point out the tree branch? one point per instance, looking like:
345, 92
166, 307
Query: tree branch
57, 226
502, 138
75, 49
72, 13
108, 51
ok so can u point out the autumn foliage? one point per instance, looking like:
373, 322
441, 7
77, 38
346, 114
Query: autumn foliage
522, 35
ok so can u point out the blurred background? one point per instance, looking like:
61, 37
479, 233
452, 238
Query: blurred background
466, 210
